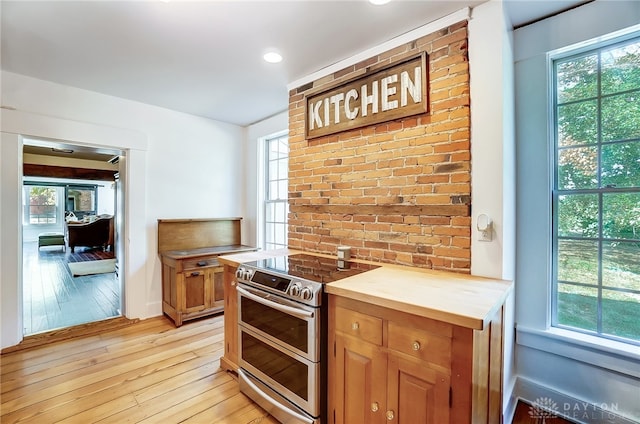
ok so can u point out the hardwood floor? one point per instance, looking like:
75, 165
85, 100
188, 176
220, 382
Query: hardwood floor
148, 372
53, 298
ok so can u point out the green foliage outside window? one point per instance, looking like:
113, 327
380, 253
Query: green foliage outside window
597, 192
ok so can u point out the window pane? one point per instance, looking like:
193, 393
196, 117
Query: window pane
578, 306
621, 165
282, 189
578, 261
578, 215
273, 169
273, 190
621, 314
281, 233
578, 123
621, 215
620, 265
269, 212
269, 231
577, 168
42, 205
621, 68
621, 117
283, 168
280, 211
577, 78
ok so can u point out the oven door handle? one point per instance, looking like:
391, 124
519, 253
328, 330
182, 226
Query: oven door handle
266, 397
300, 313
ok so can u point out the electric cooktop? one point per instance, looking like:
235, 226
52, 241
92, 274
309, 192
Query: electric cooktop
312, 268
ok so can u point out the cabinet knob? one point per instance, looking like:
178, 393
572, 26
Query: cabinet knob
355, 326
416, 345
374, 407
390, 415
195, 274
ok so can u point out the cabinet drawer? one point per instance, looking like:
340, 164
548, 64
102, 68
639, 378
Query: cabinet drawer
200, 263
359, 325
421, 344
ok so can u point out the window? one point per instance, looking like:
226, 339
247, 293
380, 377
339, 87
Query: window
42, 205
276, 207
596, 193
81, 200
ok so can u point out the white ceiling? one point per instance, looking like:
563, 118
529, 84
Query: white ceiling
205, 57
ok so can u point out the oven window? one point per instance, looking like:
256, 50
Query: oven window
286, 328
284, 369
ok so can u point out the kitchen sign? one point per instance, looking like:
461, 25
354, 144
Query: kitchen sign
397, 91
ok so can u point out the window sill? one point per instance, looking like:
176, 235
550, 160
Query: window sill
603, 353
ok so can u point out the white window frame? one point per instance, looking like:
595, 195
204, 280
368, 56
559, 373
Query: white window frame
557, 192
263, 240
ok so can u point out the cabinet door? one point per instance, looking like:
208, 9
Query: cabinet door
197, 290
417, 393
217, 286
360, 374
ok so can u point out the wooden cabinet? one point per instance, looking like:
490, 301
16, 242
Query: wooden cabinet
388, 366
192, 288
192, 276
229, 361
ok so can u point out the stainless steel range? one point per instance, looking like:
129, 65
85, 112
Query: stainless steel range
282, 315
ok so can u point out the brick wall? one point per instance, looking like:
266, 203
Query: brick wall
396, 192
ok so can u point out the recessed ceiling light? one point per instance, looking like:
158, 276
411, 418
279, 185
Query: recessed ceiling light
379, 2
272, 57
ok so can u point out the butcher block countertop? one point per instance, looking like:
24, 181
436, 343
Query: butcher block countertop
460, 299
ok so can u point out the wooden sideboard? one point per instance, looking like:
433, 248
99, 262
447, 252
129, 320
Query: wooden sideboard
192, 277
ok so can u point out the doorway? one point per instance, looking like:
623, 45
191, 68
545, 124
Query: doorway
71, 221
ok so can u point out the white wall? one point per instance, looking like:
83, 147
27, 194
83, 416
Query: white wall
551, 361
184, 167
10, 242
493, 161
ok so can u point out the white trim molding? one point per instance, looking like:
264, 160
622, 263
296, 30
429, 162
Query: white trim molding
615, 356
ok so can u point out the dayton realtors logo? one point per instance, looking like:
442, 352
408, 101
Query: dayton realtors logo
544, 408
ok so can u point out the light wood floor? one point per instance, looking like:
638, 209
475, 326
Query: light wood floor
148, 372
53, 298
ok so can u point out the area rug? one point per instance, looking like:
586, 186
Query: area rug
92, 267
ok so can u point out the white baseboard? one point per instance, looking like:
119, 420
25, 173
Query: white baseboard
154, 309
550, 403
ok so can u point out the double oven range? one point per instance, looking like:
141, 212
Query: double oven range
282, 316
